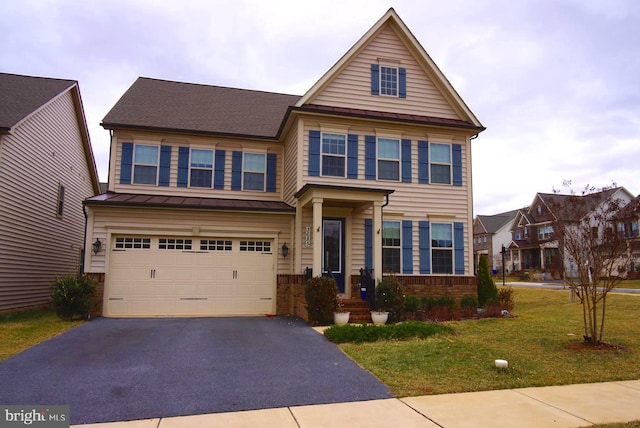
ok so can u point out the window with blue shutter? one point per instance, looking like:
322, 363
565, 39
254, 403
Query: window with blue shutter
407, 247
165, 165
402, 82
183, 166
456, 162
423, 162
458, 247
352, 156
272, 162
375, 79
425, 247
368, 243
370, 157
314, 153
236, 171
126, 163
406, 161
218, 178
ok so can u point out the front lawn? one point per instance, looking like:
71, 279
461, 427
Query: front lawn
22, 330
541, 345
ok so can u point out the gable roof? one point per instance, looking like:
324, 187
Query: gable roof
20, 96
430, 67
155, 104
561, 208
631, 211
493, 223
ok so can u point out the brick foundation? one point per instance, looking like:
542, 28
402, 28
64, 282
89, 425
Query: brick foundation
290, 296
430, 286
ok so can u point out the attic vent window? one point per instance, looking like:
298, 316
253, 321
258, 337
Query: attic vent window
388, 80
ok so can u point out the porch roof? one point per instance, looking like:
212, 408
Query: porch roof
342, 195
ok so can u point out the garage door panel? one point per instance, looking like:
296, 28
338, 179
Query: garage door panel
190, 277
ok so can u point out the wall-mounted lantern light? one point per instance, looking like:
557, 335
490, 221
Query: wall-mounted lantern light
285, 250
96, 246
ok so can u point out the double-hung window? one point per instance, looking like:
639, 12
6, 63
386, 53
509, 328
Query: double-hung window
201, 168
145, 164
253, 171
546, 232
388, 159
440, 156
389, 81
333, 155
442, 248
391, 249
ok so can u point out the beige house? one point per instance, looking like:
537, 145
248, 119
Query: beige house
221, 201
47, 169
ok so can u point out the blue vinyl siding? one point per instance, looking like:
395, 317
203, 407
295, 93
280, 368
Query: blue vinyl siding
423, 162
183, 166
352, 156
425, 247
272, 163
314, 153
126, 163
402, 82
218, 178
165, 165
456, 161
406, 161
407, 247
368, 243
236, 171
370, 157
375, 79
458, 247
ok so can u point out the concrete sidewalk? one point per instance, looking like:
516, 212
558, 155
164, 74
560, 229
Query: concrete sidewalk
553, 406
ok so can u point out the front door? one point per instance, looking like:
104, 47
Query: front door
333, 250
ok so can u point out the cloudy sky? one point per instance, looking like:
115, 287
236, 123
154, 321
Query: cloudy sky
556, 83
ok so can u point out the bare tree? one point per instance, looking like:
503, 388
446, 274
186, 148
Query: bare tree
594, 253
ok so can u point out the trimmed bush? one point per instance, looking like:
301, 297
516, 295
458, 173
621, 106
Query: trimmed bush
321, 294
468, 306
487, 290
505, 298
70, 296
390, 298
371, 333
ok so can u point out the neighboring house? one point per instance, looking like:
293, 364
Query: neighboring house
534, 246
490, 234
628, 224
47, 169
222, 201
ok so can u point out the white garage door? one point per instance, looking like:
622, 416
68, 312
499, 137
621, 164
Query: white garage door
168, 276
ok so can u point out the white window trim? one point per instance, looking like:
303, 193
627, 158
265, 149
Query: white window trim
213, 165
399, 247
322, 154
134, 163
398, 161
452, 249
396, 67
450, 164
264, 172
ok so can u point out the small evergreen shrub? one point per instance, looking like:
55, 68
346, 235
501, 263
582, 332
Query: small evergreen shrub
70, 296
411, 307
321, 294
487, 290
390, 298
371, 333
442, 308
468, 306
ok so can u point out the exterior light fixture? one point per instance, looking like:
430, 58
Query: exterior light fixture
96, 246
285, 250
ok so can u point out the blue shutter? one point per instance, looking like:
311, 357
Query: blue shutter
183, 166
375, 79
352, 156
406, 161
458, 247
236, 171
423, 162
425, 248
402, 81
126, 164
218, 175
407, 247
456, 155
370, 157
368, 243
165, 165
314, 153
272, 164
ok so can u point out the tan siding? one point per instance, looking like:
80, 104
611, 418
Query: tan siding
290, 172
36, 245
352, 86
182, 223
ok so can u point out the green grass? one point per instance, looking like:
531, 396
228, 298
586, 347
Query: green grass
22, 330
370, 333
630, 283
539, 344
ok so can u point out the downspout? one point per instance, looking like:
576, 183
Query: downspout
84, 245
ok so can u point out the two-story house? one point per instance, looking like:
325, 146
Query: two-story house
221, 200
47, 169
490, 234
628, 225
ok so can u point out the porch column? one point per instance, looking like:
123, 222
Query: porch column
317, 236
377, 241
297, 245
542, 259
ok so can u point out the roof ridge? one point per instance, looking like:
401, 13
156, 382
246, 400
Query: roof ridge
216, 86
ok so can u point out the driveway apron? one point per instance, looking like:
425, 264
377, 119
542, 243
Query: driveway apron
126, 369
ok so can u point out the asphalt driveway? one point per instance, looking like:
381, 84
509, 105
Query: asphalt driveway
125, 369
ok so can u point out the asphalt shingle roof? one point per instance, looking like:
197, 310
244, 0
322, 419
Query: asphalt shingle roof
22, 95
189, 107
493, 223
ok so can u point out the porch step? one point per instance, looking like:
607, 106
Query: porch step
359, 310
